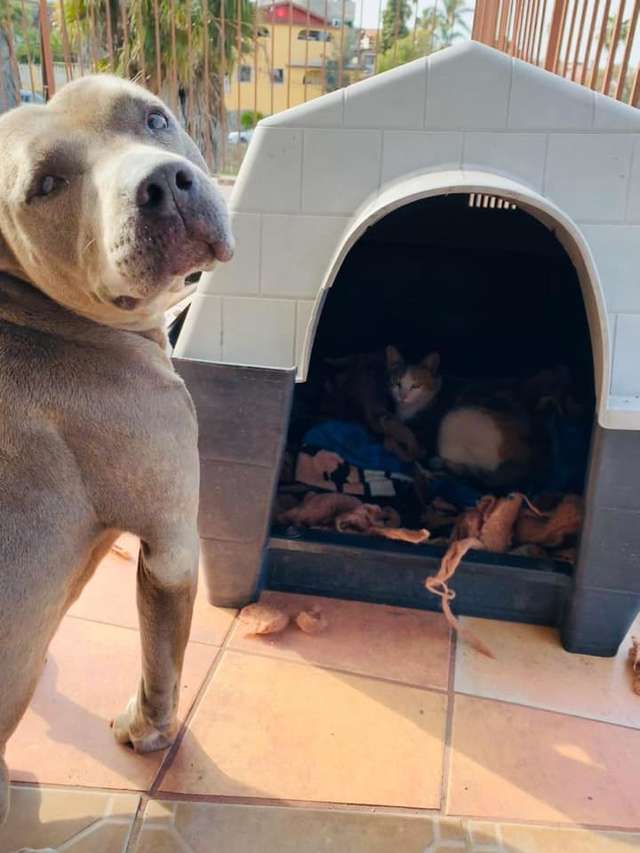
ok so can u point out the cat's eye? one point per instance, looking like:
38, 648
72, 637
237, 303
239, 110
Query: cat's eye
157, 121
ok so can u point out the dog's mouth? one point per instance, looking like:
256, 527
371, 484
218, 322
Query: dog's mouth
168, 268
192, 254
222, 251
152, 262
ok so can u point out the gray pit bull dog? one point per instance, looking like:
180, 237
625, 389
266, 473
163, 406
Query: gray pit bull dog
105, 207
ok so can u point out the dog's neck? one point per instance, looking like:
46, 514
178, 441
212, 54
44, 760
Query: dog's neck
22, 304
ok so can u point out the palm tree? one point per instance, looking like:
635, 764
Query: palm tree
450, 21
186, 70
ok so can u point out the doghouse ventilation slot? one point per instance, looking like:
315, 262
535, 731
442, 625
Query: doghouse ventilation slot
490, 201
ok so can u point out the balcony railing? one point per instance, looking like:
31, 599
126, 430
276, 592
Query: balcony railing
592, 42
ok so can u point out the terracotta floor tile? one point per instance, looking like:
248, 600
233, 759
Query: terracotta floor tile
211, 827
409, 646
483, 833
540, 839
91, 671
207, 827
49, 817
451, 830
532, 668
110, 597
521, 763
275, 729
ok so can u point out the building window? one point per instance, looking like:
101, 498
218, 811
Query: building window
314, 35
278, 75
312, 78
244, 74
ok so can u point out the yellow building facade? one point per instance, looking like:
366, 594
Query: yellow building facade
288, 65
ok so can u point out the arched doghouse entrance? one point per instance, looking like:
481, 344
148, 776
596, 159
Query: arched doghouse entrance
501, 284
470, 276
480, 185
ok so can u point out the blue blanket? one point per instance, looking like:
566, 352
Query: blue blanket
356, 445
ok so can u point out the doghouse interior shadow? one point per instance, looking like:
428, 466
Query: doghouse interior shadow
493, 291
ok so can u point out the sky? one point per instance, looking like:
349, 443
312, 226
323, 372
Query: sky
368, 11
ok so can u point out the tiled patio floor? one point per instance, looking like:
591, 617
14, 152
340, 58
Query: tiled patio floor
377, 736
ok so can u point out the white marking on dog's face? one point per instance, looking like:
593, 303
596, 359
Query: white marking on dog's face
105, 203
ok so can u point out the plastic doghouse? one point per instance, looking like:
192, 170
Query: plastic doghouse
497, 135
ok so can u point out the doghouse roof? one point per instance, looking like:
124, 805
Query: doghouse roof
465, 119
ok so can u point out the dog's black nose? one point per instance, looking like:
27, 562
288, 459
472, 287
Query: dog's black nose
166, 187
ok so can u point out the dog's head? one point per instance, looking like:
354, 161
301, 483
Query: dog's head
105, 202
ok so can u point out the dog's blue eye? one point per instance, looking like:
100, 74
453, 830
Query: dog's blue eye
47, 186
157, 121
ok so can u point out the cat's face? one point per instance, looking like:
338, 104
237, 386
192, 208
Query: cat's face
413, 386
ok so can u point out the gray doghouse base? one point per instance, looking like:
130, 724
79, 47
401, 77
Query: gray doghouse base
386, 573
243, 415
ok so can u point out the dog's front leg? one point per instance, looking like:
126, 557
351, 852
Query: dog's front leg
167, 579
4, 788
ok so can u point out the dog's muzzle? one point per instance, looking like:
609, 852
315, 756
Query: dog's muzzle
175, 188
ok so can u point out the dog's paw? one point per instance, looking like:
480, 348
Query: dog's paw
129, 728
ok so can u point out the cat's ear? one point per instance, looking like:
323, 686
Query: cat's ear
432, 362
394, 359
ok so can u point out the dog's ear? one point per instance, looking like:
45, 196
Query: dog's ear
6, 255
8, 261
394, 359
432, 362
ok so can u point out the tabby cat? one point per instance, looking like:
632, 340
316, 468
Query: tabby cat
386, 393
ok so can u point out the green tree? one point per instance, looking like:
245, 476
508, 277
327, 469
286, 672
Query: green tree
411, 47
622, 36
394, 22
250, 119
339, 70
25, 29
